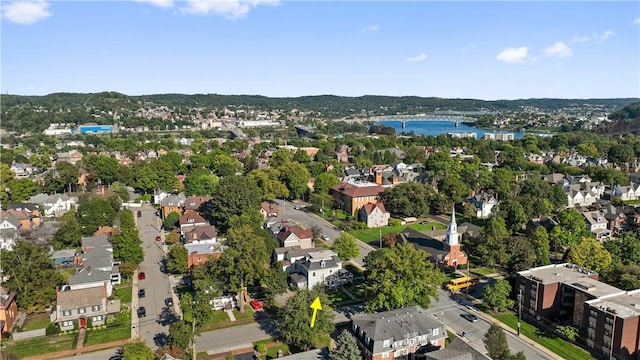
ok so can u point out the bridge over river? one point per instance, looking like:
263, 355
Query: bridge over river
423, 117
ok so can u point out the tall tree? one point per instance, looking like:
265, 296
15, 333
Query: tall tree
234, 195
346, 347
137, 350
177, 262
591, 254
492, 242
324, 182
496, 295
408, 199
30, 274
94, 211
540, 243
180, 334
69, 233
127, 246
495, 341
295, 176
346, 247
400, 276
294, 318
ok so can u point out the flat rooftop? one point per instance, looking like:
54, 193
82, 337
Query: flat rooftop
626, 305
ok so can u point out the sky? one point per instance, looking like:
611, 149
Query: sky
477, 49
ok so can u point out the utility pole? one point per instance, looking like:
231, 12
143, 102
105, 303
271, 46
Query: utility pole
380, 236
519, 309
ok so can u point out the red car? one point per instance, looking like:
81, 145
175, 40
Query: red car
255, 304
158, 238
141, 276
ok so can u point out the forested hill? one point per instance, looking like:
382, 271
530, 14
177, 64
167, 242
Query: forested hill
625, 120
34, 113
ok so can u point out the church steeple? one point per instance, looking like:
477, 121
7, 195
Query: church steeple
452, 230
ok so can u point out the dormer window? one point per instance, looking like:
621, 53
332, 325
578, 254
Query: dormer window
190, 221
323, 264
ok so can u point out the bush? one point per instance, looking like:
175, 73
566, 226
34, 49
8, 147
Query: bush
52, 329
568, 331
395, 222
261, 348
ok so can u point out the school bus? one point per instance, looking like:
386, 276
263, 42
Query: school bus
461, 283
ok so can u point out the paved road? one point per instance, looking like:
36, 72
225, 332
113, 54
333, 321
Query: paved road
156, 284
238, 336
307, 219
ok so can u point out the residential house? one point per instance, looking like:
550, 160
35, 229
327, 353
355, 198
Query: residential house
317, 267
351, 196
202, 233
32, 211
78, 306
58, 204
72, 157
398, 333
90, 242
8, 311
617, 217
199, 252
627, 192
189, 220
573, 294
580, 198
21, 171
24, 217
484, 203
597, 224
172, 203
269, 209
196, 203
374, 215
159, 195
292, 236
63, 257
9, 229
545, 221
95, 268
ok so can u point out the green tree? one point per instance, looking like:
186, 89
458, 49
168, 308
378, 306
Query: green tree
293, 321
127, 246
180, 334
496, 295
520, 253
400, 276
540, 243
591, 254
93, 212
171, 220
177, 261
625, 248
568, 331
137, 350
346, 247
30, 274
268, 183
22, 189
69, 234
495, 341
620, 154
324, 182
121, 190
513, 214
234, 195
127, 269
492, 242
574, 224
200, 182
295, 176
346, 347
408, 199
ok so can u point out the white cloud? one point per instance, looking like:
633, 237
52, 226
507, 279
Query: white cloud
604, 36
558, 49
637, 21
26, 12
158, 3
231, 8
513, 55
579, 39
418, 57
370, 28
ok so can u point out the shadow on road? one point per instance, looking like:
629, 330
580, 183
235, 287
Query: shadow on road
160, 339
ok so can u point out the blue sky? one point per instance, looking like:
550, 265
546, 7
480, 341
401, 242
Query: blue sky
482, 50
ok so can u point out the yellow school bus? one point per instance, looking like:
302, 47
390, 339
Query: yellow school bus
461, 283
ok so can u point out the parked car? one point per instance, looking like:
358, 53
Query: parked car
141, 293
325, 237
139, 213
168, 302
158, 238
296, 207
142, 312
469, 317
141, 276
255, 304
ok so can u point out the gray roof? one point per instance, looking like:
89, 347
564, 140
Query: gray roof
39, 199
173, 200
314, 354
8, 233
95, 241
206, 248
73, 299
63, 253
55, 197
87, 275
457, 350
98, 257
23, 206
13, 221
395, 324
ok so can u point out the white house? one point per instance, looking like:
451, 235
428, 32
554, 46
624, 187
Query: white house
318, 267
597, 224
484, 203
9, 227
374, 215
58, 204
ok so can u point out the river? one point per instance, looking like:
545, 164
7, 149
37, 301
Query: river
435, 128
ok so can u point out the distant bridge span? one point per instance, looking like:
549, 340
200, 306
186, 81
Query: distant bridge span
423, 117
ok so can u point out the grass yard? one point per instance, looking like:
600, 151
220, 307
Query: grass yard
42, 345
273, 346
483, 271
124, 294
39, 321
111, 333
357, 289
248, 313
551, 341
337, 296
372, 236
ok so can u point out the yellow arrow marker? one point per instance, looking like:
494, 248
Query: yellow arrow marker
315, 306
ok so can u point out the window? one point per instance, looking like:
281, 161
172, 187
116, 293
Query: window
67, 323
66, 312
412, 341
97, 318
82, 310
191, 221
323, 264
608, 320
436, 331
314, 274
96, 308
385, 344
385, 354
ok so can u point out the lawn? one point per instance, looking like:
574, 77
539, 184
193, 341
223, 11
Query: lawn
337, 296
248, 313
111, 333
357, 289
42, 345
372, 236
124, 294
36, 322
483, 271
272, 348
564, 349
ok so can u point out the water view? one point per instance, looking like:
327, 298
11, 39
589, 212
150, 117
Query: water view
436, 128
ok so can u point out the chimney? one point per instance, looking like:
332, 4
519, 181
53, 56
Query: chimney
378, 175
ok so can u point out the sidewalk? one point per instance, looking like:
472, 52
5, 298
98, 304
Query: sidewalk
135, 321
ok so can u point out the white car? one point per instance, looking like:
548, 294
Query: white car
325, 237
